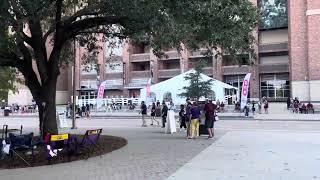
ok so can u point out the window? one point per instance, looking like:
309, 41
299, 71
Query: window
274, 14
275, 86
242, 59
89, 69
89, 84
235, 81
88, 94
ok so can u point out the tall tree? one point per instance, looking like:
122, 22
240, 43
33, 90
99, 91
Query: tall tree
197, 87
27, 25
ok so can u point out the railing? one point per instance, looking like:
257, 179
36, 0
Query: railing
273, 68
208, 71
275, 47
106, 101
140, 57
199, 53
167, 73
141, 74
232, 70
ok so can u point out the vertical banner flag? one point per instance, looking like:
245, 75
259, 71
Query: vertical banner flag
100, 94
244, 91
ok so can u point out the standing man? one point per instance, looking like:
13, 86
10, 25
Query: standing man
210, 109
195, 118
164, 114
143, 111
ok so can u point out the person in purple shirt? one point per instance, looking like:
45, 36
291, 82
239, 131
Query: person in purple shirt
195, 120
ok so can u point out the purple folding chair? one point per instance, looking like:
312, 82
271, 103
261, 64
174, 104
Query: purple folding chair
89, 141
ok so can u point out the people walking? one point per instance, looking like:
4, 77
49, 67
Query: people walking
288, 103
164, 114
253, 108
158, 109
246, 111
87, 110
266, 106
143, 111
153, 114
195, 118
182, 118
187, 117
259, 106
210, 110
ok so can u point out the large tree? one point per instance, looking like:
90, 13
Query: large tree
26, 26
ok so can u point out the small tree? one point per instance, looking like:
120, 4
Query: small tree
197, 88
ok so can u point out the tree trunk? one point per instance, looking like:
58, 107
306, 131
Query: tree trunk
46, 101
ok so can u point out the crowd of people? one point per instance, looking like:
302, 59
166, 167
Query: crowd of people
15, 108
299, 107
190, 115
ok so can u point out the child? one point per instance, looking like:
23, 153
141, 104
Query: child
182, 118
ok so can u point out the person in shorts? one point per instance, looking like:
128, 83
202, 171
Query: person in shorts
210, 109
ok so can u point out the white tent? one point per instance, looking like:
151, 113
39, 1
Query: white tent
175, 85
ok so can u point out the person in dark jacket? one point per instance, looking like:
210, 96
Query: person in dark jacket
143, 111
164, 114
153, 114
182, 118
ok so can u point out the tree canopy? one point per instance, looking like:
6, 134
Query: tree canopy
26, 27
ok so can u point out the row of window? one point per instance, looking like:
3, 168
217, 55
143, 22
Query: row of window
274, 86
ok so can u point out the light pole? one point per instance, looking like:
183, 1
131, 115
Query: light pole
74, 89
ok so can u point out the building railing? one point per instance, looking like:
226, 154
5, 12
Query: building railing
232, 70
140, 57
274, 47
141, 74
199, 53
208, 70
167, 73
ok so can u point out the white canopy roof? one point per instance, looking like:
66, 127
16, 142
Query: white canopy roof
175, 85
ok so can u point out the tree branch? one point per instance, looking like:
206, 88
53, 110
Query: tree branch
88, 23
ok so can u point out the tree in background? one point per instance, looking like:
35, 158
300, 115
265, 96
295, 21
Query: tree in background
197, 87
7, 79
28, 26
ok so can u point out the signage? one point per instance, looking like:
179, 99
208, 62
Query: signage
245, 90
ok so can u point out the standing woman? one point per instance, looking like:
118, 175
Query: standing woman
158, 109
153, 114
164, 114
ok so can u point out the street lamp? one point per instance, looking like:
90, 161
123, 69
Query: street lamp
74, 88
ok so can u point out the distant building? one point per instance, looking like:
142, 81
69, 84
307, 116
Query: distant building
287, 65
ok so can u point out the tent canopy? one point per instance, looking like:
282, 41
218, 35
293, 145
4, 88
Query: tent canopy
173, 87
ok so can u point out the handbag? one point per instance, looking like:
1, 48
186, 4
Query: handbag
216, 118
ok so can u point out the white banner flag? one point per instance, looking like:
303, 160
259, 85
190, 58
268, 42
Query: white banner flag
245, 90
100, 94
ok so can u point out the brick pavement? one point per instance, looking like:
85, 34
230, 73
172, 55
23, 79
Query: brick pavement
150, 154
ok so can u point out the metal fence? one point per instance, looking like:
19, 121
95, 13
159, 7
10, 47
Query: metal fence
106, 101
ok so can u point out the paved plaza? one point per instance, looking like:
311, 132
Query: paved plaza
243, 149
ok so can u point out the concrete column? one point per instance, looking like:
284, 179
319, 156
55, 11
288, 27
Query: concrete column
155, 60
298, 51
313, 44
184, 59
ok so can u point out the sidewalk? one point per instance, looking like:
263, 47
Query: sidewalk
256, 156
280, 116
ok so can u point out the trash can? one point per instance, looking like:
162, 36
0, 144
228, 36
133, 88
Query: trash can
6, 112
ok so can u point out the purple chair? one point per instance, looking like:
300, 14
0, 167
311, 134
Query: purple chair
89, 142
